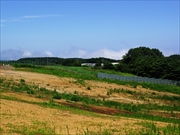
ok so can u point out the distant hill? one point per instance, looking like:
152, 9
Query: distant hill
63, 61
140, 61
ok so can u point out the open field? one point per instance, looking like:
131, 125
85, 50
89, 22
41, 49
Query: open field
36, 103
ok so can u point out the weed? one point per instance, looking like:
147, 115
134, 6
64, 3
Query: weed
1, 130
56, 95
135, 86
51, 101
80, 81
22, 81
171, 129
167, 97
108, 93
67, 129
142, 97
30, 91
151, 129
76, 92
1, 80
36, 128
89, 88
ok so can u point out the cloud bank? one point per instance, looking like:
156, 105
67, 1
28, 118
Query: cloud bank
13, 54
110, 53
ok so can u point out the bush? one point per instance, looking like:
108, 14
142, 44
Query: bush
89, 88
22, 81
30, 91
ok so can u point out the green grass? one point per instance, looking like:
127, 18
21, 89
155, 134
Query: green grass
52, 104
137, 94
149, 128
35, 128
45, 93
75, 72
42, 128
152, 86
89, 70
162, 88
139, 110
86, 73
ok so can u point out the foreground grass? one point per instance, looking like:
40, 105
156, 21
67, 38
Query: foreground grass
43, 127
138, 111
35, 128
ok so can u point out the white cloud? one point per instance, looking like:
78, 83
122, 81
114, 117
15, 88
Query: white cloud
167, 52
48, 53
28, 17
13, 54
39, 16
27, 54
107, 53
79, 53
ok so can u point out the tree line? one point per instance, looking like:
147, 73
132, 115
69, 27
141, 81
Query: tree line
63, 61
146, 62
141, 61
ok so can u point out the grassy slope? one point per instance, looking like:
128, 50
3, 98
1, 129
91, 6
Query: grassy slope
89, 74
86, 73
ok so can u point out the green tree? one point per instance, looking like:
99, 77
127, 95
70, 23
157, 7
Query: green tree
76, 63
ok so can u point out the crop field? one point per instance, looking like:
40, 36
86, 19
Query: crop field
57, 100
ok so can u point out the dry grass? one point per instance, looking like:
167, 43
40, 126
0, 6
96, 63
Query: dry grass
22, 116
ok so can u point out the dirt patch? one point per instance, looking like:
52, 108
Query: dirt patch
93, 108
6, 67
165, 114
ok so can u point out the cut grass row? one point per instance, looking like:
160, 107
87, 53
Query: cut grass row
144, 95
139, 109
148, 128
43, 92
91, 74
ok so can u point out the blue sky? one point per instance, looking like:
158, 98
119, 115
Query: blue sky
87, 28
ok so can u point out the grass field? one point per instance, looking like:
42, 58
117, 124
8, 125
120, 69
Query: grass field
87, 73
36, 98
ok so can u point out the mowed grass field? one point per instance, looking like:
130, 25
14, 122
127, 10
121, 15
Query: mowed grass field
72, 100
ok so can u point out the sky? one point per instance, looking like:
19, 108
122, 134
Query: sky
87, 29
